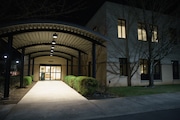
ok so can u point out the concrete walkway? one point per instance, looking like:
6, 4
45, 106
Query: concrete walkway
54, 100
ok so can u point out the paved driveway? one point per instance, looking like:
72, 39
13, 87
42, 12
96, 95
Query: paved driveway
51, 100
54, 100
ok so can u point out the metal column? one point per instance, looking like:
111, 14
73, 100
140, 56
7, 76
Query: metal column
67, 69
79, 63
8, 67
22, 68
94, 60
29, 63
71, 65
32, 66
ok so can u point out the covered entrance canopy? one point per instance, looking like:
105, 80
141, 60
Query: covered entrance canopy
35, 39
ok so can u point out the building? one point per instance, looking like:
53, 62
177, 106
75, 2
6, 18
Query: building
113, 48
126, 29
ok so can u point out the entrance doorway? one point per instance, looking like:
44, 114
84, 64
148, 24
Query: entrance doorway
50, 72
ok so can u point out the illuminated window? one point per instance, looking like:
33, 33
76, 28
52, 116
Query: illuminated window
142, 32
121, 28
142, 35
144, 69
123, 66
144, 66
154, 33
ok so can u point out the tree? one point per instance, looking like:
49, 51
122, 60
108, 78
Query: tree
156, 46
157, 51
15, 10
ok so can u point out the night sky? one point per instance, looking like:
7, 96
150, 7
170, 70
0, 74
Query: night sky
73, 11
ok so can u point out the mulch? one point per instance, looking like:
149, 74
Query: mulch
16, 94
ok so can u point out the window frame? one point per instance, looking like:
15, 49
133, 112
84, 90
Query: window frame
142, 33
175, 69
145, 65
121, 29
123, 66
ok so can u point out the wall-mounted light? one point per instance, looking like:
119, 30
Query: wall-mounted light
55, 35
5, 56
17, 61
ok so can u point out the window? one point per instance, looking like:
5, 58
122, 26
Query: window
157, 70
144, 66
121, 28
123, 66
142, 35
144, 69
154, 33
173, 35
175, 65
142, 32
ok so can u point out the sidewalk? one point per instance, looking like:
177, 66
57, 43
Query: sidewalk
62, 102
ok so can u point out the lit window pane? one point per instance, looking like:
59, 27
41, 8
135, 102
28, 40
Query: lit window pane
142, 32
123, 32
144, 37
121, 29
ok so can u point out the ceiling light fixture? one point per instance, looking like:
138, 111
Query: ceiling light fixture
53, 42
52, 47
55, 35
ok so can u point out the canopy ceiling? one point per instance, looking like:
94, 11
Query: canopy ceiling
36, 38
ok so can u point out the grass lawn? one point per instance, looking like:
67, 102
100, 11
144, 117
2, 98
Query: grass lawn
136, 91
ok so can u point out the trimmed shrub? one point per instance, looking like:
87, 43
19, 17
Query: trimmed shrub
82, 84
88, 86
85, 85
69, 79
27, 80
66, 79
77, 82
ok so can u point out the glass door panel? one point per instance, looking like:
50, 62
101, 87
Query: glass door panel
50, 72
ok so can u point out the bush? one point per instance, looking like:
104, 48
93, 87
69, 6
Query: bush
86, 85
69, 80
27, 80
77, 82
82, 84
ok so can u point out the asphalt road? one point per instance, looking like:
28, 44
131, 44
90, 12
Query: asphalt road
171, 114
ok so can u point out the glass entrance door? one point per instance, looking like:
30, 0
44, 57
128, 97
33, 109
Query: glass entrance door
50, 72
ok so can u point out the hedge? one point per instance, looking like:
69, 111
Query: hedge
27, 80
69, 80
82, 84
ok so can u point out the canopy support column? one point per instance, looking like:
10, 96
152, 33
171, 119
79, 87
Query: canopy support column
8, 67
67, 68
94, 60
71, 65
22, 68
29, 63
79, 64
